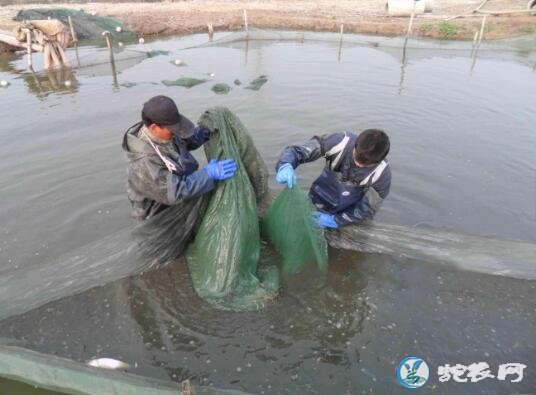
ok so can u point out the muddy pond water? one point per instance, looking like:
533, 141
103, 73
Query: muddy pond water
463, 160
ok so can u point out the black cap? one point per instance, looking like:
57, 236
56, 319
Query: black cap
163, 111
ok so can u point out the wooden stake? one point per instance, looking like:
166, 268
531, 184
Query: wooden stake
106, 35
410, 25
482, 30
210, 31
340, 41
75, 39
246, 28
29, 47
475, 38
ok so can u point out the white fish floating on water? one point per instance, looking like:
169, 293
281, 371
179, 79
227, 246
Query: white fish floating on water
108, 363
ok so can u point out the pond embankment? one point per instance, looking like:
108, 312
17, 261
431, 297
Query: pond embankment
365, 16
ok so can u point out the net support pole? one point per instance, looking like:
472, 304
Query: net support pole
474, 43
29, 47
410, 24
108, 39
340, 41
246, 27
75, 39
482, 26
210, 28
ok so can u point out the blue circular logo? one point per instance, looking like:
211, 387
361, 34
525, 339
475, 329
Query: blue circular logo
412, 372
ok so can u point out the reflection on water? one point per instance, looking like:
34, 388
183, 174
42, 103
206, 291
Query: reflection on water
463, 149
51, 81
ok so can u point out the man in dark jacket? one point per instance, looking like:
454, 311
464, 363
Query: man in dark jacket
161, 170
355, 180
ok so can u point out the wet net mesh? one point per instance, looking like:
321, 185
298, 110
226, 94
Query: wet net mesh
289, 226
223, 259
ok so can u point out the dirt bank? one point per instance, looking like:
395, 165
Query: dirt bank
364, 16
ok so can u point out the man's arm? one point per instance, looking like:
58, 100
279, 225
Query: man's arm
157, 183
369, 204
200, 136
310, 151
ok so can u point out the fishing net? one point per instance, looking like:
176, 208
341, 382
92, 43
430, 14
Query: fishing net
223, 259
289, 226
98, 63
520, 48
86, 26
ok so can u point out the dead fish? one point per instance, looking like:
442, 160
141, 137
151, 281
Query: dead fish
108, 363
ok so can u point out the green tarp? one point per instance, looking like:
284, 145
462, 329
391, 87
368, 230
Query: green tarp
60, 375
223, 259
289, 226
86, 26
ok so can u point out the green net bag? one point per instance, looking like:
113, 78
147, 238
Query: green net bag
224, 256
289, 226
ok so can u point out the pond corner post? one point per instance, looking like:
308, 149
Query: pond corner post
74, 38
210, 28
482, 30
340, 41
246, 27
28, 33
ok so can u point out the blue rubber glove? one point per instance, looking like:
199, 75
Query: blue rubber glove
325, 220
221, 170
286, 175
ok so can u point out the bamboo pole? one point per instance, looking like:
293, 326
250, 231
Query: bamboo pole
340, 41
108, 39
246, 27
29, 47
410, 25
474, 43
482, 30
475, 38
75, 39
210, 31
505, 12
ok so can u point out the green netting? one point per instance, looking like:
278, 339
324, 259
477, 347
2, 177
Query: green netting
289, 226
221, 89
224, 256
86, 26
156, 52
186, 82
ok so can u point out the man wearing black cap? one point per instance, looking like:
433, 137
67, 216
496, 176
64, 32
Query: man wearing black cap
161, 170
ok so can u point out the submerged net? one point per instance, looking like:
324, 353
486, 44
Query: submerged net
289, 226
186, 82
223, 259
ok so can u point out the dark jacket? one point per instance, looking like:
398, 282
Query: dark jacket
151, 187
353, 194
